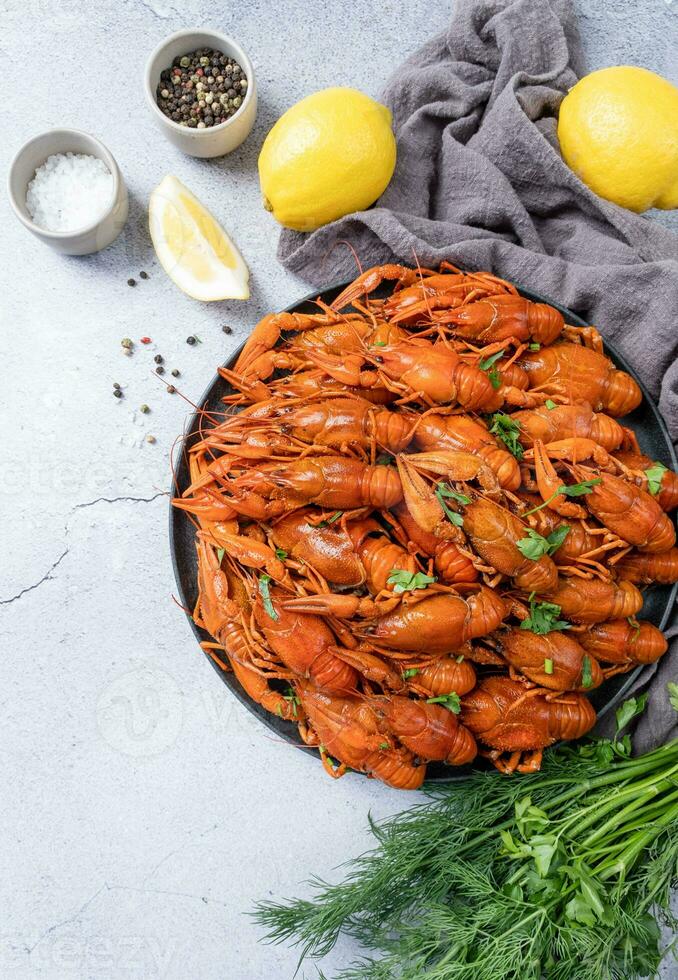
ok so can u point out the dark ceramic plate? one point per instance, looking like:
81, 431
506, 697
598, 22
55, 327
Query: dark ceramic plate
652, 436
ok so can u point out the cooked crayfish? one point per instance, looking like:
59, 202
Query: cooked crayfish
579, 374
509, 719
371, 552
625, 641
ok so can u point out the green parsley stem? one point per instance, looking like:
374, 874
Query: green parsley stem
533, 510
628, 857
621, 815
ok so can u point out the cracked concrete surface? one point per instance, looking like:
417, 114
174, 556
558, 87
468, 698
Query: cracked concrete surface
88, 503
143, 810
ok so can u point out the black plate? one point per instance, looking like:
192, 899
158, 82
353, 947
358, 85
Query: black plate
652, 436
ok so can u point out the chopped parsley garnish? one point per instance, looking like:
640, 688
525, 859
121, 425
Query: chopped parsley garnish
508, 430
330, 520
655, 475
450, 701
543, 618
265, 593
404, 581
488, 365
574, 490
445, 492
535, 545
586, 676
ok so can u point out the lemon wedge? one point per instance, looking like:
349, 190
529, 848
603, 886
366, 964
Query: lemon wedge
192, 247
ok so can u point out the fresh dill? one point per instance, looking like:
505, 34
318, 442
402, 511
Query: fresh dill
558, 874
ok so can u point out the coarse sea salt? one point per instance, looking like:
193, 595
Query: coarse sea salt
69, 191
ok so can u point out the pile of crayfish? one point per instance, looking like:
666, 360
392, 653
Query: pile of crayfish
421, 529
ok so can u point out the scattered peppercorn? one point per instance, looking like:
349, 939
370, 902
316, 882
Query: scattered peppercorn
116, 386
117, 393
201, 89
126, 342
191, 340
145, 409
143, 275
127, 351
150, 438
227, 329
171, 389
175, 372
160, 369
131, 282
158, 358
146, 340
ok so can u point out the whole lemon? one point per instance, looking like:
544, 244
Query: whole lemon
618, 131
332, 153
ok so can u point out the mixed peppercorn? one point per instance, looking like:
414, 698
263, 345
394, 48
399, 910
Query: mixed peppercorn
201, 89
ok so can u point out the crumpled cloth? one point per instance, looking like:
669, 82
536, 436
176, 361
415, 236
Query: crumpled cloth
480, 181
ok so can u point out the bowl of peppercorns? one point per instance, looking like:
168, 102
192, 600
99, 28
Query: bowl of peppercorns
201, 88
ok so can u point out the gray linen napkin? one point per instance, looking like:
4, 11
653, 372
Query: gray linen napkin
480, 181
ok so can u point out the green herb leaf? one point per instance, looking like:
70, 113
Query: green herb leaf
291, 696
673, 694
548, 666
544, 847
628, 711
384, 459
578, 910
579, 489
450, 701
508, 430
410, 672
574, 490
220, 554
556, 538
543, 618
384, 745
550, 404
448, 493
634, 624
530, 818
459, 658
330, 520
404, 581
281, 554
534, 346
488, 365
444, 492
379, 343
586, 675
655, 475
487, 362
265, 593
534, 545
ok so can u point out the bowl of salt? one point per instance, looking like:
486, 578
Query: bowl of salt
66, 188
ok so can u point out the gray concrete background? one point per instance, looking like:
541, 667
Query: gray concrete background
143, 811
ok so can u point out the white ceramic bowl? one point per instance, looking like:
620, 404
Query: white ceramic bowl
214, 141
81, 241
